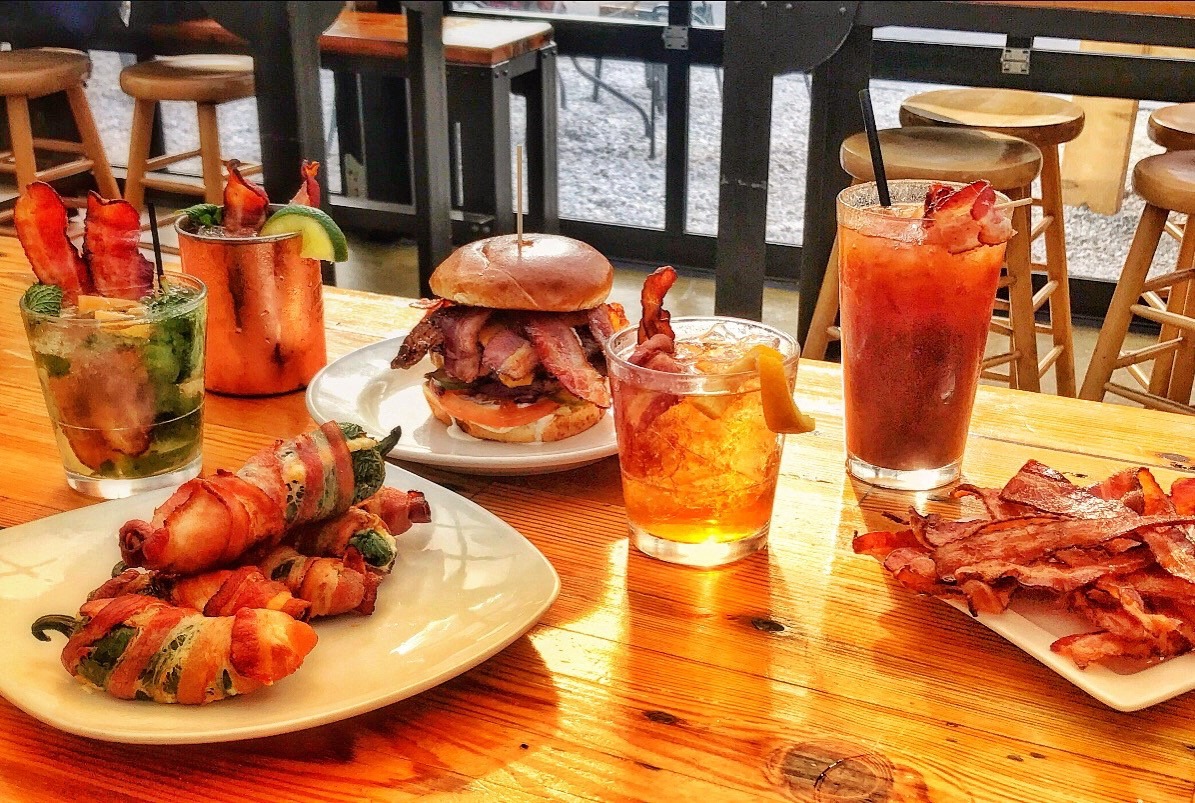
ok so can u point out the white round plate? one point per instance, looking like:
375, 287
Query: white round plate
362, 387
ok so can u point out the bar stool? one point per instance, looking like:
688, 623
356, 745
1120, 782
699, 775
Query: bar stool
202, 79
1047, 122
33, 73
964, 156
1167, 183
1173, 127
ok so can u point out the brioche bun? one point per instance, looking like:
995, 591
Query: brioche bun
553, 274
563, 422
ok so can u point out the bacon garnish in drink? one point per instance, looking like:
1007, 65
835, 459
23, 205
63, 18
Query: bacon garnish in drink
112, 248
308, 194
1121, 554
245, 203
655, 320
40, 220
966, 218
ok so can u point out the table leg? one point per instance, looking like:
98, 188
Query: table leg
429, 136
543, 196
480, 98
833, 116
743, 191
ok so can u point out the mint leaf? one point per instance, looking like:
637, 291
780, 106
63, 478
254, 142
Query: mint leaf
43, 299
204, 214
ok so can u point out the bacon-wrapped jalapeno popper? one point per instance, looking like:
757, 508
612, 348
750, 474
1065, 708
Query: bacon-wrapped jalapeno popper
368, 527
331, 585
138, 647
221, 592
210, 522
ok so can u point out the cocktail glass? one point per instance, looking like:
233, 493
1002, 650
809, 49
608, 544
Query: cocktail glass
699, 464
265, 309
124, 388
914, 326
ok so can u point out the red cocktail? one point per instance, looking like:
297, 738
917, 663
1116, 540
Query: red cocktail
916, 295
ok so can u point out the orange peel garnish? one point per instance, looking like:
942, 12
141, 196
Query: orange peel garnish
780, 411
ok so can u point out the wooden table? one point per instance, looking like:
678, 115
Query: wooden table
796, 667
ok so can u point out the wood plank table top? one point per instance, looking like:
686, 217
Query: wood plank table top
800, 673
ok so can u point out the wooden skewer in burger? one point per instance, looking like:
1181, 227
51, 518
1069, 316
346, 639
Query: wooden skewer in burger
516, 338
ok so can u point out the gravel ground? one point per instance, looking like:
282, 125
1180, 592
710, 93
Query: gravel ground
606, 172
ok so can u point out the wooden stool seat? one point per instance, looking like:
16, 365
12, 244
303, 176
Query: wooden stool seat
1167, 180
27, 74
207, 80
946, 154
1173, 127
963, 156
1041, 119
199, 78
1167, 183
1047, 122
41, 71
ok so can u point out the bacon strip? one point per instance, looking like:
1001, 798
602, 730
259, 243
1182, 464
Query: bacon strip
510, 355
1025, 540
460, 327
559, 349
308, 194
1121, 554
245, 204
656, 319
112, 249
40, 219
398, 509
1045, 490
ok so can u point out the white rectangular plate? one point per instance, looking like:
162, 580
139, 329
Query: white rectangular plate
464, 587
1034, 626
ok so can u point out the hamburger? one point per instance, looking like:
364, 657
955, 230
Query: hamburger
516, 338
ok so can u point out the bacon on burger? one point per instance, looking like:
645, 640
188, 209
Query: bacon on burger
516, 338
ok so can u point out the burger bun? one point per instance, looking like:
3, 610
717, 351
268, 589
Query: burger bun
550, 273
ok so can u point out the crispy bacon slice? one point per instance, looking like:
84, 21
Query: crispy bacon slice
1043, 489
655, 320
245, 204
40, 220
560, 351
509, 355
460, 328
332, 585
963, 219
1182, 494
422, 338
112, 249
1121, 554
207, 522
995, 505
1057, 577
308, 194
217, 593
398, 509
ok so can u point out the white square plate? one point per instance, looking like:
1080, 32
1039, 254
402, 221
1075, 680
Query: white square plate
464, 587
1034, 626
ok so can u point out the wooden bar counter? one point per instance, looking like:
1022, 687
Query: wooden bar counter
801, 673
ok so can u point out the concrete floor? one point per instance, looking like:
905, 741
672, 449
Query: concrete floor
390, 267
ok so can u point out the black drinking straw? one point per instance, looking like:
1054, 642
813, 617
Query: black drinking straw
873, 142
153, 233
